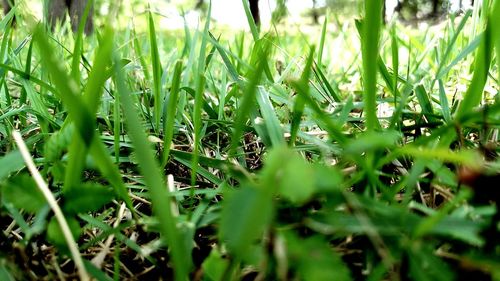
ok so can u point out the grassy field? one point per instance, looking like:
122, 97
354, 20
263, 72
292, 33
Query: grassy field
350, 150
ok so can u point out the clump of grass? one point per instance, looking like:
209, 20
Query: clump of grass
212, 155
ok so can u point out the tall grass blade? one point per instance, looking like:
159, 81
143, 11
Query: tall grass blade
251, 23
66, 88
451, 44
482, 62
155, 59
395, 61
154, 181
370, 52
333, 95
299, 104
271, 121
198, 100
170, 113
78, 49
322, 41
91, 97
443, 101
495, 24
247, 101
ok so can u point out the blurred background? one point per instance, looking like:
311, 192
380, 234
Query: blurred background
175, 14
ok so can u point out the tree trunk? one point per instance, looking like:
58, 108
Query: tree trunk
76, 10
199, 4
57, 10
6, 5
254, 9
435, 6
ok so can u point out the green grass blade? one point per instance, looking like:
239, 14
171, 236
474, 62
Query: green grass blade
298, 107
169, 115
395, 61
139, 54
274, 130
320, 76
5, 22
27, 77
370, 52
443, 100
66, 88
482, 63
247, 102
424, 100
117, 125
92, 97
154, 181
110, 171
464, 53
253, 27
78, 49
334, 130
200, 88
451, 44
198, 101
157, 70
322, 41
495, 25
233, 73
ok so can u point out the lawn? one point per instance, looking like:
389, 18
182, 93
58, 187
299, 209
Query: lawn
348, 150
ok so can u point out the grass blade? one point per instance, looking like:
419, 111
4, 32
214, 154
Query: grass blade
198, 102
271, 121
170, 113
298, 107
155, 58
154, 181
63, 224
322, 41
247, 102
482, 63
495, 24
251, 23
443, 100
369, 49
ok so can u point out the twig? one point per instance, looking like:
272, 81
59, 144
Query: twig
73, 247
99, 258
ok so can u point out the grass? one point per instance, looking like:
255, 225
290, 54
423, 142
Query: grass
212, 154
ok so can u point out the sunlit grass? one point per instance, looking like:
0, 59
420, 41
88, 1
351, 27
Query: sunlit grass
291, 153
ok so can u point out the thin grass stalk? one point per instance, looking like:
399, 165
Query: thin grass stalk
63, 224
155, 58
474, 93
369, 49
298, 107
251, 23
198, 103
495, 23
170, 113
154, 180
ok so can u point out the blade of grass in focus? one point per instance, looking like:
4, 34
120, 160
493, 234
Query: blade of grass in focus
299, 104
155, 58
247, 100
370, 51
253, 27
495, 23
482, 62
198, 102
170, 113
